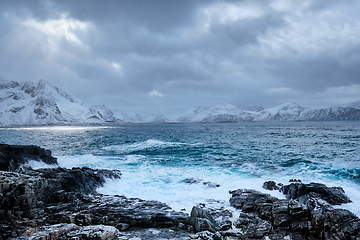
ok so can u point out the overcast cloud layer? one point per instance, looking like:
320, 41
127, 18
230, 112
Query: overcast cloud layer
164, 55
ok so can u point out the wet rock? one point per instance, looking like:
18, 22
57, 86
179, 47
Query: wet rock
13, 156
270, 185
307, 213
196, 181
73, 231
250, 200
252, 226
42, 198
74, 180
191, 180
202, 220
211, 184
221, 215
302, 193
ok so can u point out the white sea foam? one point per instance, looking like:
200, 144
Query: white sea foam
150, 144
153, 181
36, 165
149, 181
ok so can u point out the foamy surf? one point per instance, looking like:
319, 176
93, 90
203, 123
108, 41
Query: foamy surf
148, 181
147, 145
155, 159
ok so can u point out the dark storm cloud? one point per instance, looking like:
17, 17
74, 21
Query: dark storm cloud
176, 54
318, 73
156, 15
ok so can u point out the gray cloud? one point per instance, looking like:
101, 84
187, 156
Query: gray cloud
120, 53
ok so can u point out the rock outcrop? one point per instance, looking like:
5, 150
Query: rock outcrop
59, 203
307, 213
13, 156
63, 203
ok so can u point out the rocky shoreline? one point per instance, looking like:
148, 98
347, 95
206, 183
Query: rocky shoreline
59, 203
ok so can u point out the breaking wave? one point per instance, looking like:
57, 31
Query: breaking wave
148, 145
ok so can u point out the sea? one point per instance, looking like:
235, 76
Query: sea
184, 165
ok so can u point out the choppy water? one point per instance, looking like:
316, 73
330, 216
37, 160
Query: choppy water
155, 159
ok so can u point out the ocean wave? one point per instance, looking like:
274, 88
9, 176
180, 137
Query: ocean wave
344, 173
296, 161
148, 145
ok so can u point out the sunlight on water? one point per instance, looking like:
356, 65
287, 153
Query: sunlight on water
59, 128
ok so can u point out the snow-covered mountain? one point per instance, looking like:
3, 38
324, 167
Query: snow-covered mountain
343, 112
220, 113
41, 103
129, 117
284, 112
231, 113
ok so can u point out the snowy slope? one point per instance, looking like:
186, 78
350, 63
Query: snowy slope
41, 103
129, 117
284, 112
343, 112
220, 113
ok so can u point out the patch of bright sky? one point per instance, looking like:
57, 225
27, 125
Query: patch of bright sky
155, 93
226, 13
62, 27
117, 66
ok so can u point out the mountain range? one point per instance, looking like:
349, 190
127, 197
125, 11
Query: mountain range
41, 103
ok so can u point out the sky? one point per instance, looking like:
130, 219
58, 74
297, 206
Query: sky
151, 56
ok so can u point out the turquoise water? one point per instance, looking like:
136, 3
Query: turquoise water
155, 159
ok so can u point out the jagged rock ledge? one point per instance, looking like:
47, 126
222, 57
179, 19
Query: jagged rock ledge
59, 203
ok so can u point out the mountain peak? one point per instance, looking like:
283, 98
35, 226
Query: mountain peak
42, 103
42, 84
4, 83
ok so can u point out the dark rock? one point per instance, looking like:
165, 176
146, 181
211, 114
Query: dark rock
191, 180
97, 232
212, 185
57, 195
270, 185
73, 231
219, 213
253, 201
196, 181
302, 192
202, 220
306, 214
13, 156
252, 226
76, 179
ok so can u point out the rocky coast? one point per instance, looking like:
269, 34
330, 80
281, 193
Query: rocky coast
59, 203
